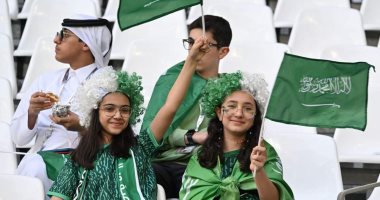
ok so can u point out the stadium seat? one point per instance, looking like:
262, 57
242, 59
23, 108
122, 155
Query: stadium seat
49, 15
355, 146
171, 26
274, 127
160, 193
195, 11
6, 101
8, 160
20, 187
150, 58
262, 58
25, 9
7, 63
42, 61
316, 29
28, 6
375, 195
5, 22
13, 8
111, 10
287, 11
249, 22
370, 14
310, 164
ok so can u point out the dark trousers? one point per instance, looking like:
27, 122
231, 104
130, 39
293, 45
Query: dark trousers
169, 175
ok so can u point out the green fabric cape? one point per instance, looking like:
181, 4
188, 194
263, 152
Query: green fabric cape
161, 91
128, 182
202, 183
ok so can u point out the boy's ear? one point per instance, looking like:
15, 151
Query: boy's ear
223, 51
85, 47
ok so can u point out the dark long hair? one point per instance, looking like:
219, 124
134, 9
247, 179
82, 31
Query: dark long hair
212, 148
92, 143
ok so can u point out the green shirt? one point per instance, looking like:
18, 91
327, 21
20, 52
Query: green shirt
101, 182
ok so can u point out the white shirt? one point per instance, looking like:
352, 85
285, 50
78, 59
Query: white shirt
51, 82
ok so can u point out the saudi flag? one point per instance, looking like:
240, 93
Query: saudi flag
134, 12
320, 93
54, 161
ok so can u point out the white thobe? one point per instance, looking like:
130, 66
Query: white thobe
32, 164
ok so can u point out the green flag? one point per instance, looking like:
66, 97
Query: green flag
320, 93
134, 12
54, 162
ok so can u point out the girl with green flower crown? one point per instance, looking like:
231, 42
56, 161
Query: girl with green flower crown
110, 162
223, 166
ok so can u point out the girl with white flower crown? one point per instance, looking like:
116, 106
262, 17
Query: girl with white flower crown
223, 166
110, 162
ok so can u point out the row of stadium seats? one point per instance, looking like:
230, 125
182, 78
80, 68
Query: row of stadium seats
334, 33
284, 14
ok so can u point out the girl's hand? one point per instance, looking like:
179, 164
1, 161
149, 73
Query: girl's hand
258, 157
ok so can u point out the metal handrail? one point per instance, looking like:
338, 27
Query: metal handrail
342, 194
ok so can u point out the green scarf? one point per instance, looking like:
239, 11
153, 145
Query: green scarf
161, 91
128, 181
126, 171
202, 183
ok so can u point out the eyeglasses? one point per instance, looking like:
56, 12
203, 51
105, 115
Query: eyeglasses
248, 111
63, 34
188, 43
111, 110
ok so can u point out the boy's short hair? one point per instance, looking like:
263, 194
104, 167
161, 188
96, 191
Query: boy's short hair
218, 26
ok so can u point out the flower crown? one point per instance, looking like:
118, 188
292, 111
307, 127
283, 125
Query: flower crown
216, 90
104, 81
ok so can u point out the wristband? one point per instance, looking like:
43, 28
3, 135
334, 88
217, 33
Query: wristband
189, 137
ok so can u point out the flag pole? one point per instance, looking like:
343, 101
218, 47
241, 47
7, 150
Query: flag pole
261, 135
203, 22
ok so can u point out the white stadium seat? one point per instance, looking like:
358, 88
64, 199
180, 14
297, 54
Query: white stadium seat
20, 188
287, 11
375, 195
49, 15
370, 14
13, 8
310, 164
171, 26
261, 57
5, 22
42, 61
249, 22
6, 101
195, 11
315, 29
7, 66
24, 14
150, 58
8, 160
111, 10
